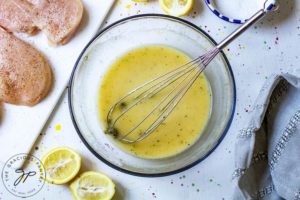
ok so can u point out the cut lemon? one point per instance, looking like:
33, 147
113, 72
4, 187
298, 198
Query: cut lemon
176, 7
61, 165
92, 186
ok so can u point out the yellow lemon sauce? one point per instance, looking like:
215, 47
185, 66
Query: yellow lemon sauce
183, 126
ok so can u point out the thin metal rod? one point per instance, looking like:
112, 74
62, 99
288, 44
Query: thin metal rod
179, 95
159, 86
257, 16
165, 81
144, 85
155, 108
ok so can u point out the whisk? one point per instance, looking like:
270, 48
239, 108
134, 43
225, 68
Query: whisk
181, 79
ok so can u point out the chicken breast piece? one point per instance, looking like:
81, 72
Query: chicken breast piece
15, 19
58, 19
25, 75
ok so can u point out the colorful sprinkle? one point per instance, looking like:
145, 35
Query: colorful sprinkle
57, 127
128, 6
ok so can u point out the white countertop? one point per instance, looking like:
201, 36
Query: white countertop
268, 47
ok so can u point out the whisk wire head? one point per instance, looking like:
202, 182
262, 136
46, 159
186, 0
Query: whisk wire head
184, 76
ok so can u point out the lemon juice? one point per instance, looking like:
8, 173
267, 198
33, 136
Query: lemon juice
185, 124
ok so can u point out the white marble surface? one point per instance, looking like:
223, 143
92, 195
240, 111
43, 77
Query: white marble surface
269, 47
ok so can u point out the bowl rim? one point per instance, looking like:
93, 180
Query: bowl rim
268, 7
70, 104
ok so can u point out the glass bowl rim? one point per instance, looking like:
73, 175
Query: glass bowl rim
70, 84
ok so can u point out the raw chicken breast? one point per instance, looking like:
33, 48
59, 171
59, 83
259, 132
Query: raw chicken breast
58, 19
25, 75
14, 18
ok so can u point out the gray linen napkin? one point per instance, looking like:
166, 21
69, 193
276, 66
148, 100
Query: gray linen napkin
267, 153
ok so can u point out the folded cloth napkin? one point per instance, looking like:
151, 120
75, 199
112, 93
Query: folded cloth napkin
267, 153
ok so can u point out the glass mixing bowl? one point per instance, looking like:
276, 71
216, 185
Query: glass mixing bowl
121, 37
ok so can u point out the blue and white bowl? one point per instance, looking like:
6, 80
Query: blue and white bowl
268, 6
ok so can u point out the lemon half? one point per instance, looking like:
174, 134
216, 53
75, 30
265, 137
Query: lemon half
61, 164
93, 185
176, 7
